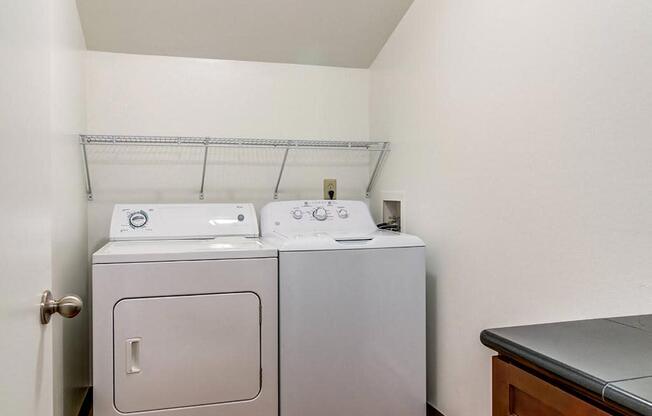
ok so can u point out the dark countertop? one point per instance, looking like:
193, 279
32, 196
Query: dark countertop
609, 357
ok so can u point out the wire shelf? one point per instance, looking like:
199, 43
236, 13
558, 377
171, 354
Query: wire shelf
205, 142
230, 142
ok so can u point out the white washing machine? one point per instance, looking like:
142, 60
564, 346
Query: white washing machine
352, 311
185, 318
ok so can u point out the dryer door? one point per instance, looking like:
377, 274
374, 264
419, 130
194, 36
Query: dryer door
182, 351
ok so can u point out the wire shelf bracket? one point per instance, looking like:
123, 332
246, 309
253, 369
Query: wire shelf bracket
280, 172
203, 171
376, 171
89, 189
382, 147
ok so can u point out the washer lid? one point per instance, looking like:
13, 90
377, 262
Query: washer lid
182, 221
177, 250
325, 241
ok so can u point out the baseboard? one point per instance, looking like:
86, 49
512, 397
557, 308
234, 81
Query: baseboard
86, 408
433, 412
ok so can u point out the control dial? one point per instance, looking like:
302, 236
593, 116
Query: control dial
343, 213
297, 214
320, 214
138, 219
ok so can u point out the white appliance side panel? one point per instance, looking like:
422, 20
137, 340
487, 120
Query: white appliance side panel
182, 351
114, 282
353, 332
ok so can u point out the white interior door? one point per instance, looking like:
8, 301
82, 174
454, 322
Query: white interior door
37, 91
180, 351
26, 347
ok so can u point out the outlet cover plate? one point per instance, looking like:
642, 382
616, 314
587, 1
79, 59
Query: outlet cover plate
330, 185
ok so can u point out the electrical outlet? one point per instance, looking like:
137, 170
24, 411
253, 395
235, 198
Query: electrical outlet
330, 188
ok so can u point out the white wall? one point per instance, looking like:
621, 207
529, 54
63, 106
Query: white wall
69, 222
522, 140
151, 95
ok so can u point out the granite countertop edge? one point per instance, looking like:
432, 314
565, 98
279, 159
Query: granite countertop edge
500, 344
604, 389
617, 395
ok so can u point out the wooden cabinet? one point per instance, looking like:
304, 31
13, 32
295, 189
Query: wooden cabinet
521, 391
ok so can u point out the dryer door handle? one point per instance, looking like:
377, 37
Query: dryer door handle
132, 352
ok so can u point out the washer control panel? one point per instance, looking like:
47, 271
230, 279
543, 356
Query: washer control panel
299, 217
182, 221
316, 211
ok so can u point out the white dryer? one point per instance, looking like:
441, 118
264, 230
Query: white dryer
352, 311
185, 313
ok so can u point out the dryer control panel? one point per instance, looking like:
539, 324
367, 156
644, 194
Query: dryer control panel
182, 221
305, 217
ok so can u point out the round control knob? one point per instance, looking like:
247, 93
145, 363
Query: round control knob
297, 214
138, 219
320, 214
343, 213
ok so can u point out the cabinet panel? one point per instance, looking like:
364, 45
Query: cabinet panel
519, 393
523, 404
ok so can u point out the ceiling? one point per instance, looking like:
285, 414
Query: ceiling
347, 33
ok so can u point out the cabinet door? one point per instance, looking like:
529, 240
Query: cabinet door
180, 351
519, 393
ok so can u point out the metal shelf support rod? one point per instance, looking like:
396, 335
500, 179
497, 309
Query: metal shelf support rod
280, 173
89, 189
374, 174
203, 172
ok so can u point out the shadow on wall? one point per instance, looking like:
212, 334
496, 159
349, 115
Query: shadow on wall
157, 173
431, 338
